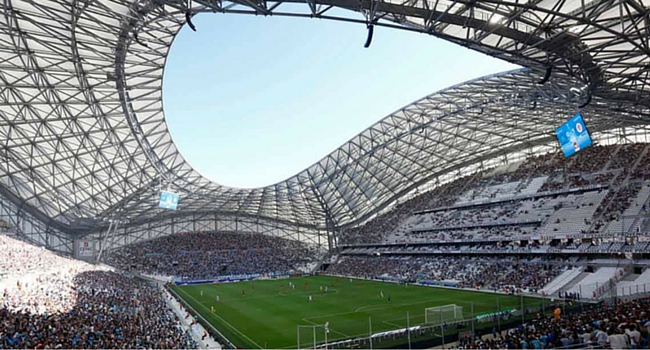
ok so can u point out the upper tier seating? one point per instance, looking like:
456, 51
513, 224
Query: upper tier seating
517, 189
622, 222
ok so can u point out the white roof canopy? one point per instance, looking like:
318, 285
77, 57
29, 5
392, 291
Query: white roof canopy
83, 133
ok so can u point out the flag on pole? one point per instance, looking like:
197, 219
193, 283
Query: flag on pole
327, 327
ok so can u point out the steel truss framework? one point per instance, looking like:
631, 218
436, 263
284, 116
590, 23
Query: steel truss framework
125, 233
83, 139
32, 228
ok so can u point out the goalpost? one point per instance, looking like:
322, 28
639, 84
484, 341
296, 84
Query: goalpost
443, 314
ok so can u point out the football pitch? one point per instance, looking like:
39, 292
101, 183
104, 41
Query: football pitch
267, 315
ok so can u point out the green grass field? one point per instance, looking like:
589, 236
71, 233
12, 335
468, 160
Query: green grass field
267, 318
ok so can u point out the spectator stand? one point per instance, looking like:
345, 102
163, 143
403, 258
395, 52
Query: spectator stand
193, 315
76, 304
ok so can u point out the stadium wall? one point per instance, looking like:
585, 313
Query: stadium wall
225, 342
17, 221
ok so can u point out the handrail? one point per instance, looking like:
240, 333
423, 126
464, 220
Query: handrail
222, 338
493, 201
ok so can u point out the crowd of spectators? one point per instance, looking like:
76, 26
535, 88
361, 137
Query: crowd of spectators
598, 165
403, 268
499, 273
20, 258
382, 225
466, 234
579, 180
591, 159
55, 302
375, 230
502, 246
545, 164
624, 325
642, 170
585, 169
616, 201
491, 215
205, 255
506, 219
626, 156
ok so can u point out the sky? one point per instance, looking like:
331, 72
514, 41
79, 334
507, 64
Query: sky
252, 100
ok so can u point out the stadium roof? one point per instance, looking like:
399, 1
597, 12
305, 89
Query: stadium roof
83, 135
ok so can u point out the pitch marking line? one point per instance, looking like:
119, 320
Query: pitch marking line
393, 324
331, 329
359, 310
378, 307
330, 291
224, 321
390, 306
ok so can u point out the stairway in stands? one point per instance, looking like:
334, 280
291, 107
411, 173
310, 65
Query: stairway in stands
612, 156
574, 282
562, 281
626, 223
615, 185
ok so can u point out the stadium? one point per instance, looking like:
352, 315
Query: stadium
508, 211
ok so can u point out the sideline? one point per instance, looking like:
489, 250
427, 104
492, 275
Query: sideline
222, 320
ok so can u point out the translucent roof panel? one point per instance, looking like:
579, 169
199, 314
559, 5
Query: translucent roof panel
83, 131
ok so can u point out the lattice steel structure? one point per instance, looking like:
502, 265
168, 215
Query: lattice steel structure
83, 139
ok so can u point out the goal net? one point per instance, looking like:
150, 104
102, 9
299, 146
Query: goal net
443, 314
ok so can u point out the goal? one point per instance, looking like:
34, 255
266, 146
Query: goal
443, 314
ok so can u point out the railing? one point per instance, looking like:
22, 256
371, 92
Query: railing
478, 225
609, 287
205, 323
517, 251
534, 236
416, 335
640, 215
632, 290
491, 201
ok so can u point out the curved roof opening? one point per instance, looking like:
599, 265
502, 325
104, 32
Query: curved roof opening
251, 101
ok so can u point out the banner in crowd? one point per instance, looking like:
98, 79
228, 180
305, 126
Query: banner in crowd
439, 283
488, 316
84, 249
391, 279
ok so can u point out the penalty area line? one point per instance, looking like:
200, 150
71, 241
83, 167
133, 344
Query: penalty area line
374, 307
